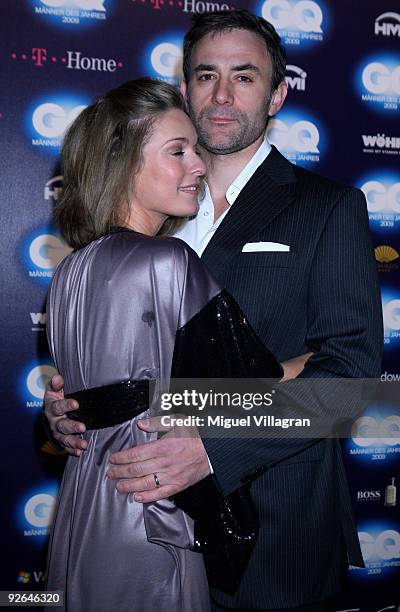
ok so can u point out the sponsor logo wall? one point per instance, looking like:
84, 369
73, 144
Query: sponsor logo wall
340, 119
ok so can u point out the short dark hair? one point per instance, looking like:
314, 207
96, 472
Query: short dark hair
239, 19
101, 153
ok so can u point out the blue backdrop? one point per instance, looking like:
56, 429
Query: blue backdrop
339, 120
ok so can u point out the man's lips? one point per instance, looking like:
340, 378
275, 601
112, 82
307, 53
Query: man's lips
222, 120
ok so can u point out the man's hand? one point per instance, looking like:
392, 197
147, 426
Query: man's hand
293, 367
64, 430
178, 460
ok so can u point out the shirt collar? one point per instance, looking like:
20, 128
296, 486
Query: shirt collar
245, 175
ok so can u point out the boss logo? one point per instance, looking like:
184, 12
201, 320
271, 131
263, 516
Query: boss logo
368, 495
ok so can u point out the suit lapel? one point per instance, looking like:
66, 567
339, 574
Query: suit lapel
269, 191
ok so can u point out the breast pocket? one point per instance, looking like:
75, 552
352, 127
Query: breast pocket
267, 259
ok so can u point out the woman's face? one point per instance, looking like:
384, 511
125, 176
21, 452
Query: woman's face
167, 183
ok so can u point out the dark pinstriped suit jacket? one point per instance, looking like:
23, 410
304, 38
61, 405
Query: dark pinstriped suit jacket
323, 295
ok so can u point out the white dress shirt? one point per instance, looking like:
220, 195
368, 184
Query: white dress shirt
198, 231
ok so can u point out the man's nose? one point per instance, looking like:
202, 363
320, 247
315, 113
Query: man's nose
223, 93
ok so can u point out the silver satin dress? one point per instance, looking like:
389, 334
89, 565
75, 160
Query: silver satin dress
114, 308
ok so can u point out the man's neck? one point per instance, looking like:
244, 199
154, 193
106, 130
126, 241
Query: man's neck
222, 171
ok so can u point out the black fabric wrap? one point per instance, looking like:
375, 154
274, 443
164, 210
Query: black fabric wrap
219, 342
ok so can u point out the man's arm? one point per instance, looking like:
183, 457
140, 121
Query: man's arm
344, 326
66, 431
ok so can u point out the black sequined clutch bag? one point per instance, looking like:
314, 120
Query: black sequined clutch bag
225, 530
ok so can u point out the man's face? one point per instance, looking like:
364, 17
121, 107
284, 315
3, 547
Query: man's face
229, 91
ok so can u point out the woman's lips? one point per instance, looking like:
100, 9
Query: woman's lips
189, 188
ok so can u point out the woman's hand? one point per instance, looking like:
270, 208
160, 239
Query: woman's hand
293, 367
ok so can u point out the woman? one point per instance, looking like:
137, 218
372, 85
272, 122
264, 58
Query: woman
118, 308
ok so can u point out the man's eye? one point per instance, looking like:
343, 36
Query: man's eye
206, 77
244, 79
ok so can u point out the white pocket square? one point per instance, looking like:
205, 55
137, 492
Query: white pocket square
254, 247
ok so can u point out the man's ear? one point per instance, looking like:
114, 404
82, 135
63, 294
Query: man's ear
183, 88
278, 98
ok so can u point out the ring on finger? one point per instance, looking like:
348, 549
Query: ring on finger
158, 484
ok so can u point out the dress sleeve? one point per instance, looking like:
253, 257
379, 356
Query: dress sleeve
219, 342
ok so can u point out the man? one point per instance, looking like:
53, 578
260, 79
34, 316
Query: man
294, 250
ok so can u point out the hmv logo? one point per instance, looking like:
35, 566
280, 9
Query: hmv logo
295, 78
387, 24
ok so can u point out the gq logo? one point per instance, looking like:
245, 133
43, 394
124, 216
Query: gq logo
37, 379
384, 546
51, 120
47, 120
41, 253
369, 431
301, 136
382, 196
47, 250
379, 82
163, 59
378, 78
88, 5
297, 137
39, 510
303, 15
391, 317
71, 12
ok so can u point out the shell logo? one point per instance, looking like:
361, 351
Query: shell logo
386, 254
